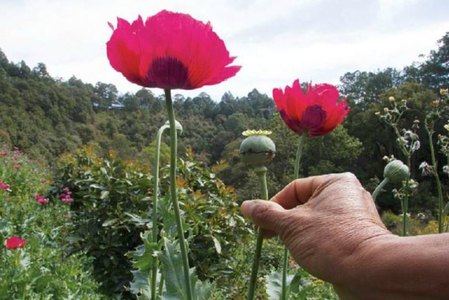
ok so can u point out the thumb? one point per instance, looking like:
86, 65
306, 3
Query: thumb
267, 215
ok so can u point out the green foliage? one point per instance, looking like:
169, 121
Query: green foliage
49, 117
111, 210
214, 229
301, 285
42, 269
175, 284
42, 115
106, 190
417, 224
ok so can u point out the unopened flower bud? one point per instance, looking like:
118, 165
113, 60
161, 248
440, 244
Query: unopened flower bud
257, 149
444, 92
391, 99
396, 171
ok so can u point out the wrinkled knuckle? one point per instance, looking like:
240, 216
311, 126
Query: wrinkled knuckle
348, 176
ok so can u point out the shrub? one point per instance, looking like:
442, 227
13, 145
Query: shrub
104, 191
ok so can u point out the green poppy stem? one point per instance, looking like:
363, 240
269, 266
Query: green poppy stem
155, 203
379, 188
262, 173
299, 150
301, 142
437, 179
173, 196
404, 216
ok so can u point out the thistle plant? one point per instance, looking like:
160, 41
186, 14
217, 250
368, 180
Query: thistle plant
256, 150
397, 172
407, 141
438, 108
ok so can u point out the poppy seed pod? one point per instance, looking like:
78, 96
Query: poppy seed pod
396, 171
257, 149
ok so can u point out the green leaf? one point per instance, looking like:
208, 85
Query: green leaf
174, 275
144, 255
96, 186
104, 194
141, 284
216, 244
110, 222
274, 284
172, 271
137, 219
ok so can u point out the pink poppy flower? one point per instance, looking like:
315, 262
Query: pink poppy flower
14, 242
315, 111
66, 195
4, 186
170, 51
41, 199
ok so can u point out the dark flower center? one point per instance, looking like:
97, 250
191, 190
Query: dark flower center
167, 73
313, 117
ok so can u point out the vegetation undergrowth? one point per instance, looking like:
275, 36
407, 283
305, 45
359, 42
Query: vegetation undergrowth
41, 268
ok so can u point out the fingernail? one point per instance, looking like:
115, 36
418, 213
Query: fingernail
248, 208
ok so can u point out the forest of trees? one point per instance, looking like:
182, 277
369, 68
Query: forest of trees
47, 117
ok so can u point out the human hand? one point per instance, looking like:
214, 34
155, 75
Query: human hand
327, 222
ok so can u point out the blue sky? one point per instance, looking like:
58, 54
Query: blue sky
275, 41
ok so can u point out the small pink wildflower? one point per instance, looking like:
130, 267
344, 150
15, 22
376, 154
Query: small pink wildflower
41, 199
4, 186
66, 195
14, 242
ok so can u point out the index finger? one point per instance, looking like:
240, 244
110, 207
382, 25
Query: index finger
301, 190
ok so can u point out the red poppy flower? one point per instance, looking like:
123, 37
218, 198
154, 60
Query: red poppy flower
170, 50
315, 112
14, 242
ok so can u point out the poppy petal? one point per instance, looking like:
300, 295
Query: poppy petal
170, 50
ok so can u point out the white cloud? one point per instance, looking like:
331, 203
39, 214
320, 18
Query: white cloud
276, 42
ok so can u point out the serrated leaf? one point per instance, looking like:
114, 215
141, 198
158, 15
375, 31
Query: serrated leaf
174, 279
294, 284
140, 284
274, 284
144, 255
174, 276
